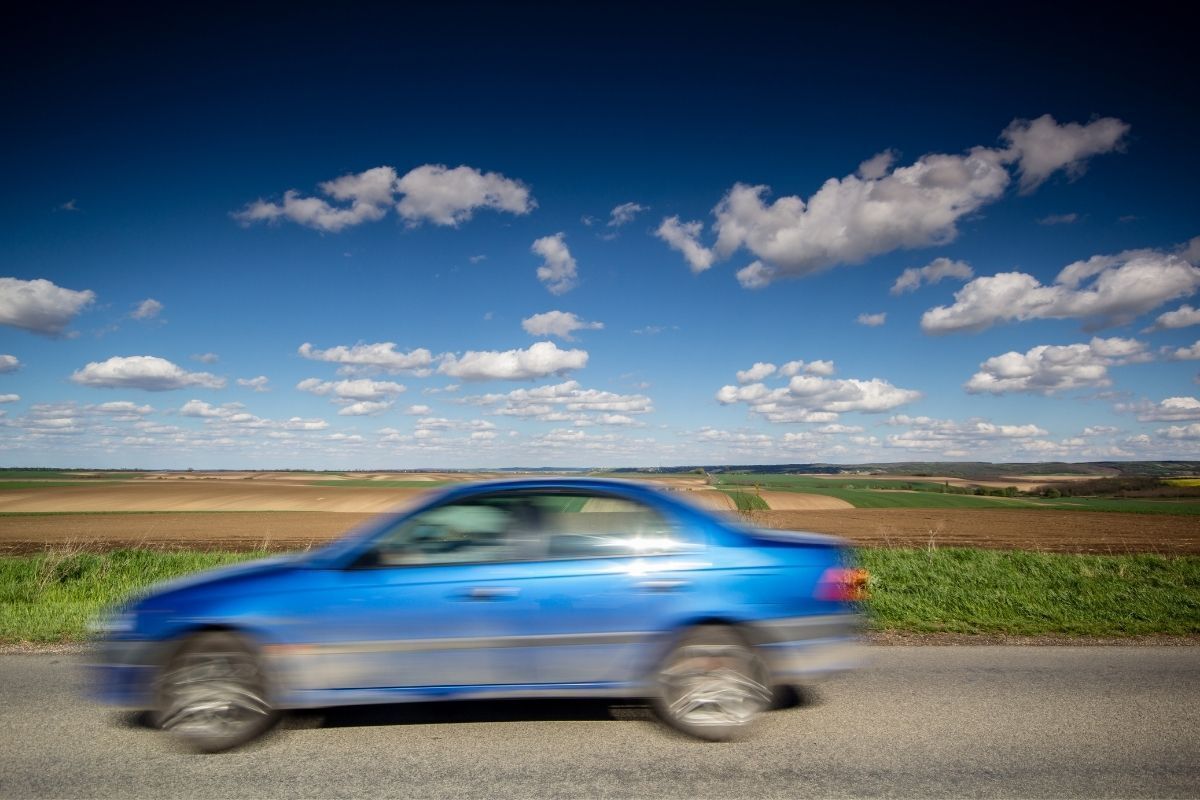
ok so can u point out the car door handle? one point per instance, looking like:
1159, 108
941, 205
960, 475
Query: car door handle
488, 593
663, 586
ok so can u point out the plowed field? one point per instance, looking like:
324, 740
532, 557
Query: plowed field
1052, 531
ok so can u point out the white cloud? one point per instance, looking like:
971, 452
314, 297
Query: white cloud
147, 309
258, 384
1189, 353
418, 410
1042, 147
685, 237
150, 373
1100, 430
431, 192
538, 361
872, 320
9, 363
1183, 317
300, 424
1107, 290
39, 306
350, 390
365, 408
1171, 409
565, 402
445, 196
1188, 432
381, 355
558, 323
558, 270
819, 367
933, 272
206, 358
624, 213
883, 208
756, 373
943, 435
367, 193
122, 408
9, 398
809, 398
1047, 369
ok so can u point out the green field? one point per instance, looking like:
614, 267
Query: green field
50, 597
877, 493
747, 500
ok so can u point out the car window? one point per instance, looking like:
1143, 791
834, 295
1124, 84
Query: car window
584, 525
528, 526
488, 529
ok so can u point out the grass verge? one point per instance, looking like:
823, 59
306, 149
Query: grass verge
51, 596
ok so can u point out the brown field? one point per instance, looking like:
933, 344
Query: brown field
276, 511
1023, 482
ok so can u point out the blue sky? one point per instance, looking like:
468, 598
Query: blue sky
314, 239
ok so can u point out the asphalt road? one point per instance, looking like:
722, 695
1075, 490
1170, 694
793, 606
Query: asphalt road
919, 722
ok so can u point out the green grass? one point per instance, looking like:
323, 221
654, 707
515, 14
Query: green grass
51, 596
383, 484
874, 493
1015, 592
747, 500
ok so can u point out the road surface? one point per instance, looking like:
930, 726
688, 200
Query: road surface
919, 722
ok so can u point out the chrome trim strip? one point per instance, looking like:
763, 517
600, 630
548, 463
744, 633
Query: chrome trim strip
455, 643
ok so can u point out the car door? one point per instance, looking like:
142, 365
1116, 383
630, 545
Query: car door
434, 602
616, 574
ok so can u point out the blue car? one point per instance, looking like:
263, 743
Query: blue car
531, 588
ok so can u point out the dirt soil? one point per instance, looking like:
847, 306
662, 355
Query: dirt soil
799, 501
1048, 531
200, 495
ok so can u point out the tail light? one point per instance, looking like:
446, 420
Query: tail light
843, 585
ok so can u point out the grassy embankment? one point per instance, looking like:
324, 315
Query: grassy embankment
876, 493
50, 597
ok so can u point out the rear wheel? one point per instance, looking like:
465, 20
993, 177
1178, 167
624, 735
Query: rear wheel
212, 693
712, 684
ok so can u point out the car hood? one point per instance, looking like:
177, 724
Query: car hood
233, 579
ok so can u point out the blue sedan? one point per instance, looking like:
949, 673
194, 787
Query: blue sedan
532, 588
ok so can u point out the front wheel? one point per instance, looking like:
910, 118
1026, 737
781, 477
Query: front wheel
712, 684
212, 693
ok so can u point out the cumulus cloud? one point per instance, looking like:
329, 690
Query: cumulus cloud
147, 309
812, 398
1047, 369
1189, 353
381, 355
537, 361
9, 398
1171, 409
942, 435
558, 323
206, 358
624, 213
819, 367
351, 390
365, 408
258, 384
1188, 432
122, 408
685, 237
150, 373
9, 363
933, 272
882, 208
418, 410
567, 402
39, 306
1106, 290
756, 373
558, 270
429, 193
300, 424
1042, 146
1183, 317
871, 320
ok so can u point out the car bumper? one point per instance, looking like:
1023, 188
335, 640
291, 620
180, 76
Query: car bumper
801, 649
122, 673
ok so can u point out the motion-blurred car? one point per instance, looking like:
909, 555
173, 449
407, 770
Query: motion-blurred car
534, 588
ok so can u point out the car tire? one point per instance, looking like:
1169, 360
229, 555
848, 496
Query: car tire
212, 694
711, 685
